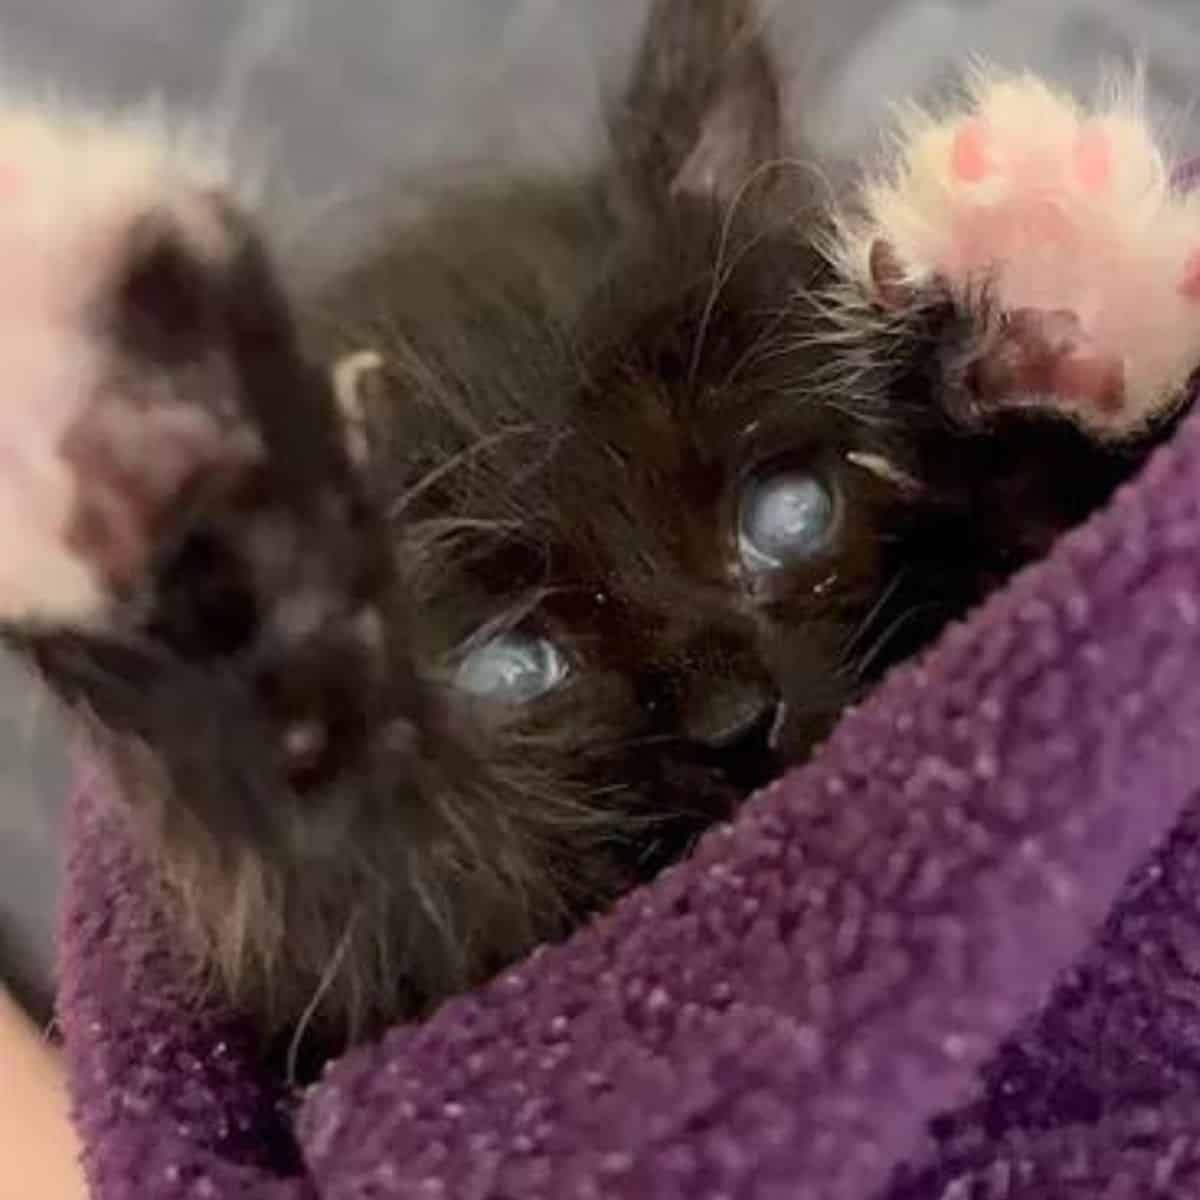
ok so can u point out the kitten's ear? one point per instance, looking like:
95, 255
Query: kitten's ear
702, 109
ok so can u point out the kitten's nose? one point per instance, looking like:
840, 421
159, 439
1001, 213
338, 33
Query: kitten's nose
731, 730
727, 711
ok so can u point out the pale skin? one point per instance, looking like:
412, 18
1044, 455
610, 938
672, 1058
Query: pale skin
41, 1150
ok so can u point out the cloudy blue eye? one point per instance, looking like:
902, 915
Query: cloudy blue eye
513, 667
786, 520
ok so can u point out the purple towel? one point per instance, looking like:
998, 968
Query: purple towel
957, 955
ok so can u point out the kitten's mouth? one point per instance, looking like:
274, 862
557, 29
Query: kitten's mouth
745, 750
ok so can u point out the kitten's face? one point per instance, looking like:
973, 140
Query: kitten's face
639, 547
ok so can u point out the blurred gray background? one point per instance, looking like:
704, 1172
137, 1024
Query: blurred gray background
338, 94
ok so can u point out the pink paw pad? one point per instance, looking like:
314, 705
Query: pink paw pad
970, 157
1189, 286
1093, 158
1047, 353
13, 180
131, 463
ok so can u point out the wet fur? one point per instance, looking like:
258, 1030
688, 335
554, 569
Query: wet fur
578, 377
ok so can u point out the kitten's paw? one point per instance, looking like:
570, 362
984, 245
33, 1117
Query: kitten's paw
1065, 224
117, 392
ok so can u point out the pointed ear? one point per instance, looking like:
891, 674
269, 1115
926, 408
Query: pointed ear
702, 109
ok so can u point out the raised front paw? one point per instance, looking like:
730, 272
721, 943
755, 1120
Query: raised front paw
119, 303
1061, 230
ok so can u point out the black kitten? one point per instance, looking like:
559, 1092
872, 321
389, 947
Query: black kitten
609, 506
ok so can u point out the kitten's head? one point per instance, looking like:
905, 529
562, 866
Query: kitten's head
661, 514
651, 502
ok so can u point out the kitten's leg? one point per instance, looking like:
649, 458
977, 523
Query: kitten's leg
1064, 228
202, 573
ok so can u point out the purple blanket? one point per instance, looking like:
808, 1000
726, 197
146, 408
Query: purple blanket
958, 955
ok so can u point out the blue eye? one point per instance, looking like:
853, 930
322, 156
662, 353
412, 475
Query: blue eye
786, 519
513, 667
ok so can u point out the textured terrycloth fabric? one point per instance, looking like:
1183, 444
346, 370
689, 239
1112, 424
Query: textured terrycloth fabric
957, 955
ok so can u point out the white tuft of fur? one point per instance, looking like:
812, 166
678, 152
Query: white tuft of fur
1035, 226
348, 373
